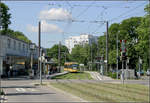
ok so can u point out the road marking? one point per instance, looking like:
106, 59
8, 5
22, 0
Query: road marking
99, 77
96, 76
31, 89
20, 90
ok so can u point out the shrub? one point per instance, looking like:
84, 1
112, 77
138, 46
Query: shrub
112, 75
2, 93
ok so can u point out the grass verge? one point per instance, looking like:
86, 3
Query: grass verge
106, 92
78, 75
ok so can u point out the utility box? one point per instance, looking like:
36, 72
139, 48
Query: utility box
129, 73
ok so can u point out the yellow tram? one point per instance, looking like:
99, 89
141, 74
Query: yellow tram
71, 66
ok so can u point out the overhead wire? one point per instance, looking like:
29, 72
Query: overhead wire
131, 15
71, 7
131, 10
86, 9
101, 14
88, 6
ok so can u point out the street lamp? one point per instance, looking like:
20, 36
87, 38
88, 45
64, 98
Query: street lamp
117, 54
139, 60
44, 60
140, 63
32, 48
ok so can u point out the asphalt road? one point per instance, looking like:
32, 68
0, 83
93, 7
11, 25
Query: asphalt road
24, 90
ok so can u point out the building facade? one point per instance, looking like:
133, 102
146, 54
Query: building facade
83, 39
13, 50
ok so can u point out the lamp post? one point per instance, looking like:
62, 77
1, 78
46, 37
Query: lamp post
117, 54
32, 48
140, 62
44, 61
0, 53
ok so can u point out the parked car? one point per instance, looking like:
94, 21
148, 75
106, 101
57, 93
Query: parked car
148, 72
141, 72
18, 69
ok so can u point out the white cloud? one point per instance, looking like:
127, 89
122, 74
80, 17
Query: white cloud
45, 27
55, 13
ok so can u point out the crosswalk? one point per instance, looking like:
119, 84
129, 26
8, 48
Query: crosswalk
2, 98
97, 76
18, 90
25, 90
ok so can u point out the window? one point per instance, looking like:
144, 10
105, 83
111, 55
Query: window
9, 43
14, 45
27, 48
23, 47
19, 46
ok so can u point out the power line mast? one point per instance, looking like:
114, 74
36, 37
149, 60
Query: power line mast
91, 57
59, 47
106, 47
149, 45
65, 56
0, 53
39, 53
98, 55
117, 55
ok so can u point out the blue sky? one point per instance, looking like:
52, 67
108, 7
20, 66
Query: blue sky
26, 15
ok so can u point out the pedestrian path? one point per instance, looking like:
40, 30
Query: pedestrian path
98, 76
56, 74
24, 91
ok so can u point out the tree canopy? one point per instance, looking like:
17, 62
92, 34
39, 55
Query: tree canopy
53, 53
5, 22
5, 16
16, 34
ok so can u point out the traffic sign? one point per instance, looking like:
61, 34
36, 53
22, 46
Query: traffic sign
105, 61
42, 59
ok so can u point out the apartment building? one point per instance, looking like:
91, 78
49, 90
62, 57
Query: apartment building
80, 40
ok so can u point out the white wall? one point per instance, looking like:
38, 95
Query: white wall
79, 40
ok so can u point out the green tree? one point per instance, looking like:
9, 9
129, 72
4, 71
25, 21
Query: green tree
16, 34
5, 17
53, 53
80, 54
143, 40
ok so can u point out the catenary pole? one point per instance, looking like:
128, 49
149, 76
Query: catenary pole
59, 56
149, 47
98, 66
0, 57
91, 57
39, 53
106, 47
117, 55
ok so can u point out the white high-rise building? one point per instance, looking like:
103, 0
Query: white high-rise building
80, 40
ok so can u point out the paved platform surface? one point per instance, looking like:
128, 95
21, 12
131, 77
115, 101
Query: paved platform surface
23, 90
